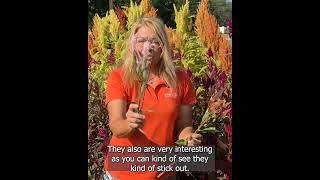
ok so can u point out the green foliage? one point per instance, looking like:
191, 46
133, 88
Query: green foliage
182, 17
182, 142
221, 10
114, 27
100, 73
97, 118
165, 11
99, 7
133, 12
102, 40
121, 46
193, 55
208, 130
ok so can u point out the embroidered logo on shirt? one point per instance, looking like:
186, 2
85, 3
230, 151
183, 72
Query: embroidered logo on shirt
170, 95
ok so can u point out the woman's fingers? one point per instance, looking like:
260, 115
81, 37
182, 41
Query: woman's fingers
135, 123
197, 136
196, 142
131, 114
194, 139
135, 119
133, 107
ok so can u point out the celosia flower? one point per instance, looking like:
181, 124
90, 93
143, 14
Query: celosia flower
103, 133
197, 80
223, 79
111, 58
210, 53
229, 130
208, 84
89, 61
228, 114
212, 69
177, 55
103, 148
92, 61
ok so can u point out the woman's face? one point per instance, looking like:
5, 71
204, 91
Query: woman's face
147, 38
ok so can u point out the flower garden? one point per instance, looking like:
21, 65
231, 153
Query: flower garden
198, 47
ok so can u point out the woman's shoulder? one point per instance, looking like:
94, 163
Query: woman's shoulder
117, 71
115, 75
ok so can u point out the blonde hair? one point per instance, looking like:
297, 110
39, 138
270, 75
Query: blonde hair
166, 65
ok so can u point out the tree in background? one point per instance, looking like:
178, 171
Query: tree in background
222, 10
99, 7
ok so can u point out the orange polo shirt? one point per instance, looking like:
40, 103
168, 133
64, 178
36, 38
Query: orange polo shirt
158, 125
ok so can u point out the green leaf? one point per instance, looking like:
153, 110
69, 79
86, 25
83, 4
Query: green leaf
199, 90
181, 142
201, 97
203, 69
209, 130
206, 115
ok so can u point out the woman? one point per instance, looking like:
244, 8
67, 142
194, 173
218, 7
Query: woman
169, 93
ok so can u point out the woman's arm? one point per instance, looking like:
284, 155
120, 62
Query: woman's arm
184, 126
184, 123
122, 123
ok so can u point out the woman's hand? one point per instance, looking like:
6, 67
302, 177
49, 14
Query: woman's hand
122, 122
194, 139
135, 120
184, 127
